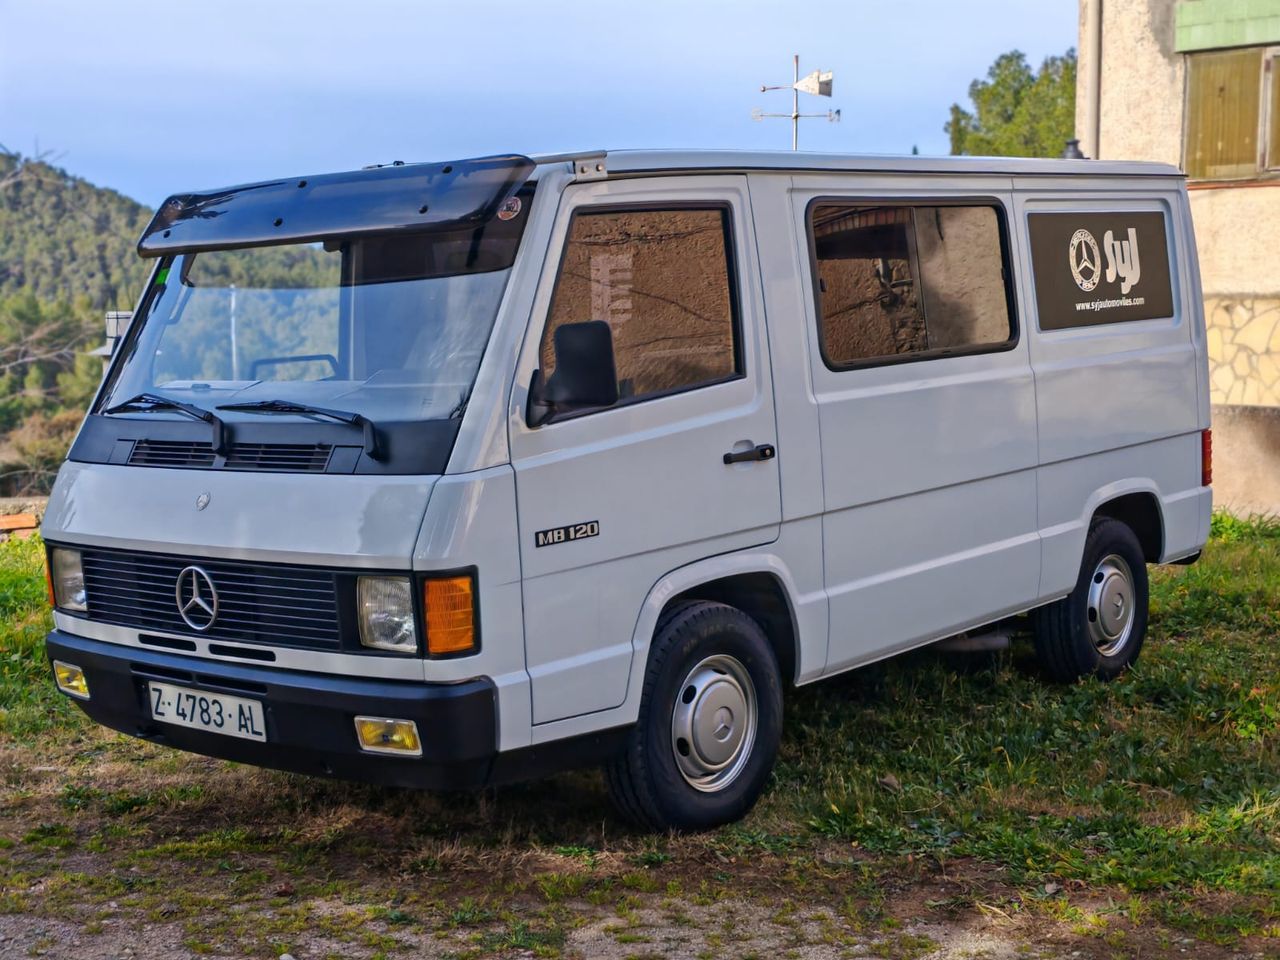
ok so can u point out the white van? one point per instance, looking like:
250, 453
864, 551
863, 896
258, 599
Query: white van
448, 474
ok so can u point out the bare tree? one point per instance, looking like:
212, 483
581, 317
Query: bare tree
45, 342
23, 167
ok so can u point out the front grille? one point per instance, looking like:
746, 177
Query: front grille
171, 453
268, 457
257, 603
289, 457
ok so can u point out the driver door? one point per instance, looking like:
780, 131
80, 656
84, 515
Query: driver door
611, 499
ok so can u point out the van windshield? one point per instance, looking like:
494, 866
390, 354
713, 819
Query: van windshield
392, 328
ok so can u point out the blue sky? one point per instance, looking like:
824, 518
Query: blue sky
151, 98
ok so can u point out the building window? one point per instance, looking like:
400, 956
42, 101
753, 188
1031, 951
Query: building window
1233, 113
908, 282
663, 281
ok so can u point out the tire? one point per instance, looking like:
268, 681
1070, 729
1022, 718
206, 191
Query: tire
709, 663
1097, 630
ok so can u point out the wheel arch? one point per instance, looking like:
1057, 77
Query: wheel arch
761, 586
762, 597
1140, 511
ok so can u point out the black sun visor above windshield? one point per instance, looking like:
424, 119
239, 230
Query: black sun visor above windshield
381, 200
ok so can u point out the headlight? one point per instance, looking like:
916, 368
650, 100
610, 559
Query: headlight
385, 606
68, 579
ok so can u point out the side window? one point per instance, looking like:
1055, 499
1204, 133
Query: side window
663, 281
896, 282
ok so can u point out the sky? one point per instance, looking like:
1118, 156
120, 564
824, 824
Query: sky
152, 98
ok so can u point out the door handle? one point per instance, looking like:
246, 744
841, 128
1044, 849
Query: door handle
761, 451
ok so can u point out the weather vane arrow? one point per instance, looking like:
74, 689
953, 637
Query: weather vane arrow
817, 84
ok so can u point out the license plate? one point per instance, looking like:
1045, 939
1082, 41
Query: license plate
216, 712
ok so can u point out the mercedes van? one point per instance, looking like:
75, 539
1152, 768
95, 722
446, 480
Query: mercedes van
447, 474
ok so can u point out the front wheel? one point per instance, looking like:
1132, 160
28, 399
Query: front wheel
709, 725
1097, 629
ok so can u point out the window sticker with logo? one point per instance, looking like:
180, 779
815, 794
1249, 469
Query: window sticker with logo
1093, 268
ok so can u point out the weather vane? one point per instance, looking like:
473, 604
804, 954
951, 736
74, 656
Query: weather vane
817, 83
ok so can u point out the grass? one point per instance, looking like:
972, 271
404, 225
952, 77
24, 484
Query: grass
28, 702
1129, 815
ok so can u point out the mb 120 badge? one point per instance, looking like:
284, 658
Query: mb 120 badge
574, 531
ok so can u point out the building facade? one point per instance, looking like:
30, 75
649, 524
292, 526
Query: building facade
1196, 83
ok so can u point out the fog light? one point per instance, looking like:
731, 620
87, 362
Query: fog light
380, 735
70, 680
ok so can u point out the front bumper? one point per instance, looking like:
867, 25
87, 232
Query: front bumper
310, 717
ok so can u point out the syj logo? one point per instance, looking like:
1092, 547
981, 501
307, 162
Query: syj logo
1122, 260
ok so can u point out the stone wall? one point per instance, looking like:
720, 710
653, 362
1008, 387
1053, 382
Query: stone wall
1244, 350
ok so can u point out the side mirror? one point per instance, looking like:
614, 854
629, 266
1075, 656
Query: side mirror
585, 373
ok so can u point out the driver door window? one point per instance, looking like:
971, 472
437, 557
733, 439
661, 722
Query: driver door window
663, 282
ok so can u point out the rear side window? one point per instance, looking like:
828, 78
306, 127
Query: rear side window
663, 281
908, 282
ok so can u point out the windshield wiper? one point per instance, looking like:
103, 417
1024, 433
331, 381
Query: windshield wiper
371, 446
147, 402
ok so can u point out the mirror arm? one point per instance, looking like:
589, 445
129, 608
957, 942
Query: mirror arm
539, 409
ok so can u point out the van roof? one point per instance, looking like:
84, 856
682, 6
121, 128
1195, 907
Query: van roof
644, 161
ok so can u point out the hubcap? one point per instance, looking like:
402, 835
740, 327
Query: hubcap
713, 724
1111, 606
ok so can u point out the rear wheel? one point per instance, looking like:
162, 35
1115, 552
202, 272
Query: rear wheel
1098, 628
710, 720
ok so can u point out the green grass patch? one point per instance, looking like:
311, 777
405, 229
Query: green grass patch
1166, 781
1228, 528
28, 702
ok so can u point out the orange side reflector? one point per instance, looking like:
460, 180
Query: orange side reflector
450, 608
1206, 458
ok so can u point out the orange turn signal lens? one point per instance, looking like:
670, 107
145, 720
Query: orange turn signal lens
48, 584
449, 604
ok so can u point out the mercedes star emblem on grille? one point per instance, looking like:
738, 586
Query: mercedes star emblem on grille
197, 598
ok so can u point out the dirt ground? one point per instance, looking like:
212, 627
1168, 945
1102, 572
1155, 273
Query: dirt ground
228, 869
662, 937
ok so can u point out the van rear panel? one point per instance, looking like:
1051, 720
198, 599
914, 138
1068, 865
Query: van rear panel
1117, 354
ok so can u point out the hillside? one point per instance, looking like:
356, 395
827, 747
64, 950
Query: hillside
66, 255
64, 239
